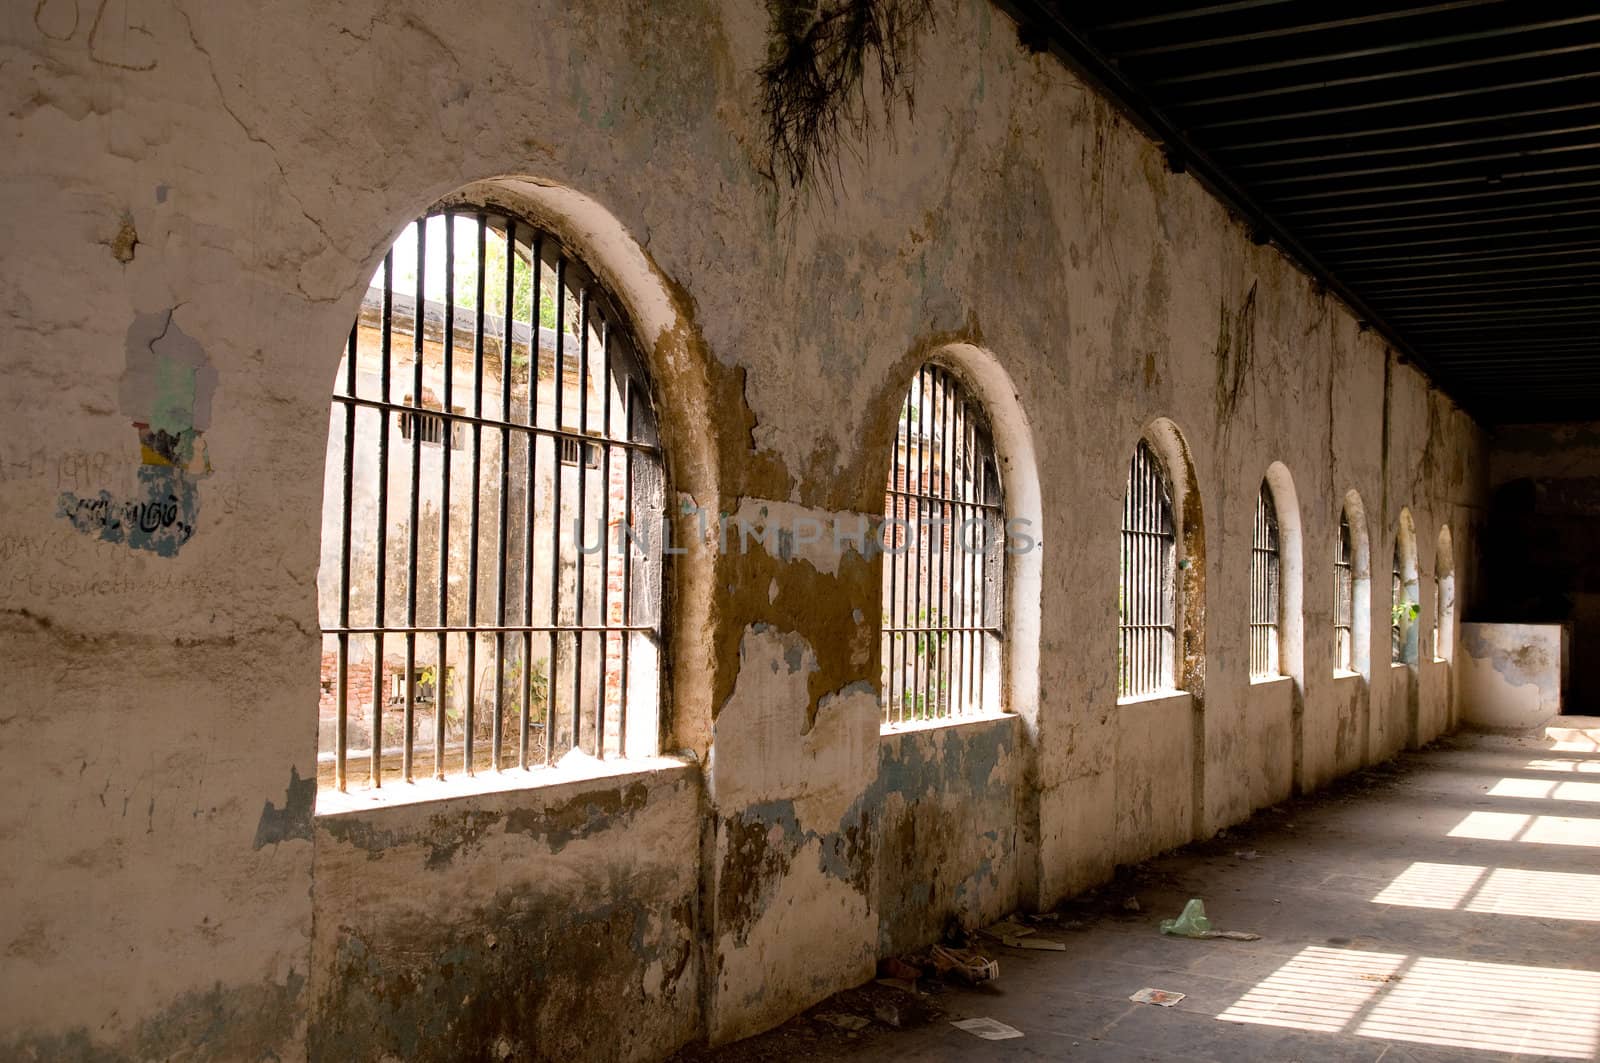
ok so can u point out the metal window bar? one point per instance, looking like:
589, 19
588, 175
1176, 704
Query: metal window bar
942, 510
461, 601
1264, 587
1344, 597
1147, 584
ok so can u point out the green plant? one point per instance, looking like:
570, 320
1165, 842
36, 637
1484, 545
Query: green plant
538, 689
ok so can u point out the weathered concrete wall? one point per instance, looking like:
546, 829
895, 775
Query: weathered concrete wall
1512, 675
1434, 704
499, 924
1154, 802
196, 198
1545, 481
947, 801
1267, 764
1393, 716
1336, 737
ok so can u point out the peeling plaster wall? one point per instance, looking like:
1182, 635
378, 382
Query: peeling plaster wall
1336, 739
947, 822
792, 861
1154, 776
1393, 715
235, 173
1513, 676
1268, 758
1546, 501
1434, 710
556, 923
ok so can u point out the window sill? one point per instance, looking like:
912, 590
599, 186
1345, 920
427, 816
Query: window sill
1346, 673
1268, 680
974, 719
513, 780
1164, 694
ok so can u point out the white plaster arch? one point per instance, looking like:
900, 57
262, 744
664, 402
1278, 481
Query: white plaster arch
1170, 446
1405, 546
1355, 513
1444, 574
987, 380
1291, 572
672, 352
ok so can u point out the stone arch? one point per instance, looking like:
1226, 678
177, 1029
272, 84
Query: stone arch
1355, 513
1405, 550
1168, 441
1291, 572
677, 367
1444, 574
986, 379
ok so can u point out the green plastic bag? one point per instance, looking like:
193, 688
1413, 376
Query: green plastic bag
1192, 923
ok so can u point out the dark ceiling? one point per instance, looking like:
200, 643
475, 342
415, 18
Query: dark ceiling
1438, 165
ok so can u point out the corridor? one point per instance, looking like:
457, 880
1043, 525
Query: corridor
1441, 907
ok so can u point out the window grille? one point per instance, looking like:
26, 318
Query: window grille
430, 428
1264, 588
1146, 597
943, 565
571, 448
486, 605
1344, 596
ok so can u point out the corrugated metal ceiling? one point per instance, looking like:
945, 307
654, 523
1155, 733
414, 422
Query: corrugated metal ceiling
1436, 164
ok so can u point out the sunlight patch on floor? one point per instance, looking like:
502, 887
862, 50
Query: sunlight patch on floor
1545, 894
1496, 891
1566, 764
1425, 885
1552, 789
1514, 826
1491, 1007
1321, 989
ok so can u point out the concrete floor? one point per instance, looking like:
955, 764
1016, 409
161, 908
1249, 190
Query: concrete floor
1443, 907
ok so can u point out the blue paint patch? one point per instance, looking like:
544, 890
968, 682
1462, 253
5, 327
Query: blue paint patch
965, 763
160, 518
167, 392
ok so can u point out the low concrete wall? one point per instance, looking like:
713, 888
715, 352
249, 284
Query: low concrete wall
1511, 674
1433, 699
1269, 725
1154, 776
947, 801
1336, 733
556, 922
1391, 718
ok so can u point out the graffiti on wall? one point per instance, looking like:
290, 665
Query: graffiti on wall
167, 392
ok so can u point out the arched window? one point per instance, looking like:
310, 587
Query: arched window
1344, 586
490, 585
1404, 608
1444, 597
1146, 627
1265, 575
1352, 587
943, 569
1397, 598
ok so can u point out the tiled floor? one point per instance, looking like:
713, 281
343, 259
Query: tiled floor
1447, 907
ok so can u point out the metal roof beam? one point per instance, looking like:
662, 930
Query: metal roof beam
1393, 48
